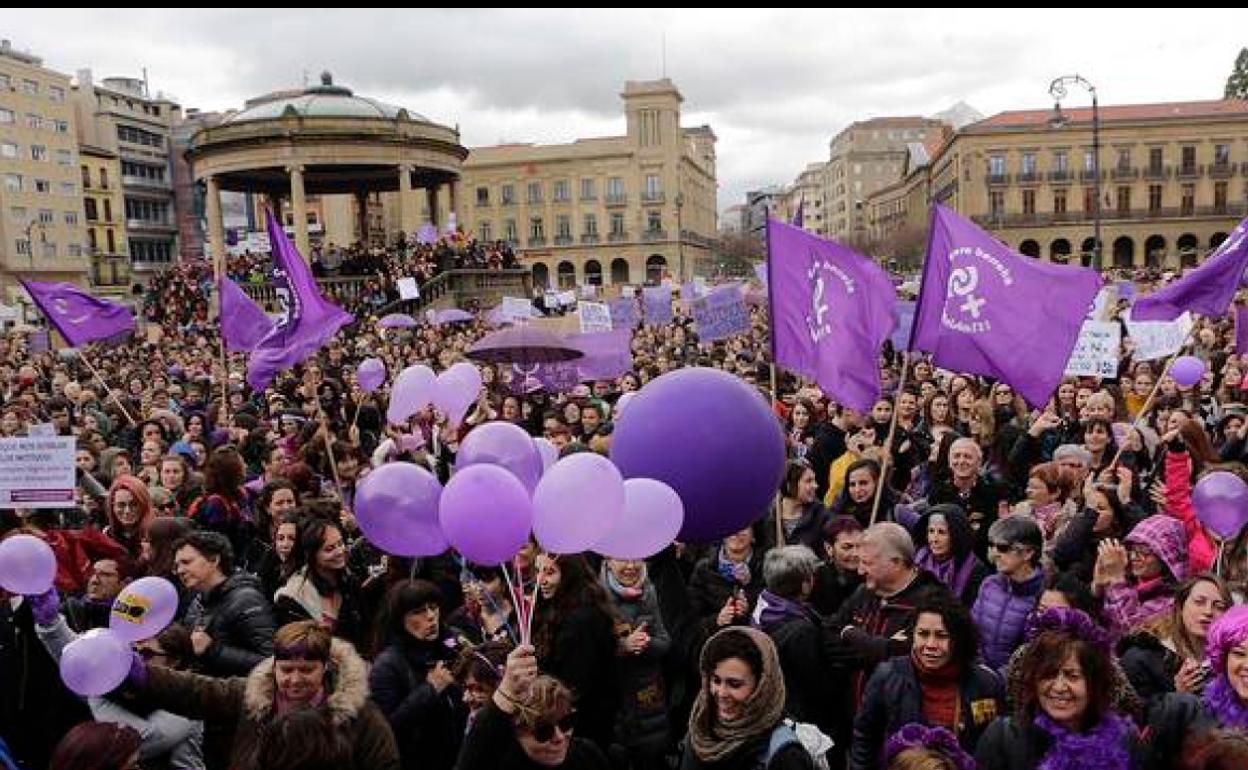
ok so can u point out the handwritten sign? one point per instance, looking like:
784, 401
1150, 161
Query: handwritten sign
720, 314
408, 289
1155, 339
594, 316
1096, 350
37, 472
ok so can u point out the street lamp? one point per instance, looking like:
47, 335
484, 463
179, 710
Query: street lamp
1057, 89
680, 238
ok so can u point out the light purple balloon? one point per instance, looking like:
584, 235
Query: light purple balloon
456, 389
95, 663
397, 508
653, 515
413, 391
486, 514
143, 609
577, 502
27, 565
371, 374
503, 444
548, 451
622, 402
1221, 502
1187, 370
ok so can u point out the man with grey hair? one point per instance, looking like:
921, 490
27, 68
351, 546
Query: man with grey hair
871, 626
1074, 459
783, 613
969, 488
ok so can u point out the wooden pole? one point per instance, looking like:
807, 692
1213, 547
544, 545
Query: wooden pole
82, 355
1148, 403
775, 399
888, 442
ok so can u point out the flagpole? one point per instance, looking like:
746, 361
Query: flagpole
1148, 403
82, 355
888, 443
771, 344
218, 270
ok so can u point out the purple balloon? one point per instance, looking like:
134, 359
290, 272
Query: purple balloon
577, 502
95, 663
456, 389
486, 514
710, 437
371, 374
413, 391
1187, 370
653, 515
503, 444
1221, 502
27, 565
548, 451
397, 508
143, 609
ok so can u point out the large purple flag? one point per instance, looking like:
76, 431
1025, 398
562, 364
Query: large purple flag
831, 310
309, 322
1207, 290
607, 354
243, 323
986, 310
78, 316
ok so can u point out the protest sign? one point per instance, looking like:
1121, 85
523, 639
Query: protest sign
657, 304
408, 289
37, 472
1096, 350
516, 309
594, 316
720, 314
1156, 339
623, 311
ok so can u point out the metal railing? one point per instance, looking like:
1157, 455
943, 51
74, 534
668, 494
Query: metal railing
1156, 172
589, 238
617, 237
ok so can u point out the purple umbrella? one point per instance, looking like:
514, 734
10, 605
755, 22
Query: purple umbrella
524, 345
396, 321
451, 316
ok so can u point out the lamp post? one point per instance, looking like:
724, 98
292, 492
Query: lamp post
1057, 89
680, 238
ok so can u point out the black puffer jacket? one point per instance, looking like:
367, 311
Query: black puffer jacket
894, 698
1009, 744
427, 724
240, 621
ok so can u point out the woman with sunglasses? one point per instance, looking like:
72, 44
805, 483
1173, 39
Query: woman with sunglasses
528, 724
1007, 598
1138, 579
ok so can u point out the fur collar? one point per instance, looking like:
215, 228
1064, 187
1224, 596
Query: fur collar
349, 681
302, 591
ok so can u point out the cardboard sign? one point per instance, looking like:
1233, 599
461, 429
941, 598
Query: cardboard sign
594, 316
516, 309
37, 472
1155, 339
720, 314
408, 289
1096, 350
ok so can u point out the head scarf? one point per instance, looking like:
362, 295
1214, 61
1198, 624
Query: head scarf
714, 741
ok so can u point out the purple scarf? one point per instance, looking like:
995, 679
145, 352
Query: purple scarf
1101, 748
772, 610
955, 576
1224, 703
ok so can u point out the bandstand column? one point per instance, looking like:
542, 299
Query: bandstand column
407, 203
435, 215
299, 207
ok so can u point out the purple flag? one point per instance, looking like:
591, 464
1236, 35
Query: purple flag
903, 311
310, 321
427, 234
607, 354
720, 314
78, 316
831, 310
243, 323
986, 310
1207, 290
657, 304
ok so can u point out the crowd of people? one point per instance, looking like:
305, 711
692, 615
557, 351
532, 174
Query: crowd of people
995, 587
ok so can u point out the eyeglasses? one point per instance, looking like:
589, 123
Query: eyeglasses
1003, 547
544, 732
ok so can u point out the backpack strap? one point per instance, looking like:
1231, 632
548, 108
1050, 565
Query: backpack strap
781, 735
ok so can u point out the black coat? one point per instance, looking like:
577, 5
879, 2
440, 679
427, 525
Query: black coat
894, 698
832, 587
709, 590
240, 621
491, 745
980, 504
1008, 744
808, 677
427, 724
582, 656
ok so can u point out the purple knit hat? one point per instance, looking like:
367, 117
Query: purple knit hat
938, 739
1226, 632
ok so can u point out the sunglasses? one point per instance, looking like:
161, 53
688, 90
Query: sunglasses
544, 732
1003, 547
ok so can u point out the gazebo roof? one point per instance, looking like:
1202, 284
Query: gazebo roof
322, 101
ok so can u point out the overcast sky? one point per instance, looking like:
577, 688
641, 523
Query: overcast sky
774, 85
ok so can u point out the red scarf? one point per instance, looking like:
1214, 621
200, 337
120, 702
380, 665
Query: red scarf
941, 698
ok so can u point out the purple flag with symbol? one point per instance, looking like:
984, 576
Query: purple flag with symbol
831, 310
657, 304
309, 322
1207, 290
243, 323
987, 310
78, 316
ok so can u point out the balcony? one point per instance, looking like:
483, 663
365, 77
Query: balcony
619, 237
1190, 171
483, 204
1087, 176
142, 181
563, 240
1222, 170
654, 235
650, 198
536, 242
1157, 172
998, 178
150, 224
589, 238
616, 200
1060, 176
1029, 177
507, 202
1126, 172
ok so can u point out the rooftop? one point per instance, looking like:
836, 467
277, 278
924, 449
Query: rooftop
1116, 113
322, 101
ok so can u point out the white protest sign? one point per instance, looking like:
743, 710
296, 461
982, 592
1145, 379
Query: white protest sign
408, 289
589, 291
37, 472
567, 298
1096, 350
1155, 339
516, 308
595, 316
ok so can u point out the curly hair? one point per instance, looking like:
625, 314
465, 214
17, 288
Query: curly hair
548, 700
1045, 656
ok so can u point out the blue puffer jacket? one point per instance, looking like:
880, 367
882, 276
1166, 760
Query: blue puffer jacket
1000, 613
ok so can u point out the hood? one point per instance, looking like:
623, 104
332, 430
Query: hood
1167, 538
347, 674
959, 529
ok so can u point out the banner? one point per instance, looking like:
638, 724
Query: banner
37, 472
1156, 339
657, 304
1096, 350
623, 311
720, 314
408, 289
516, 309
595, 316
903, 311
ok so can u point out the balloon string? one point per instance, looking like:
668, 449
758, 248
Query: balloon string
465, 575
515, 600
